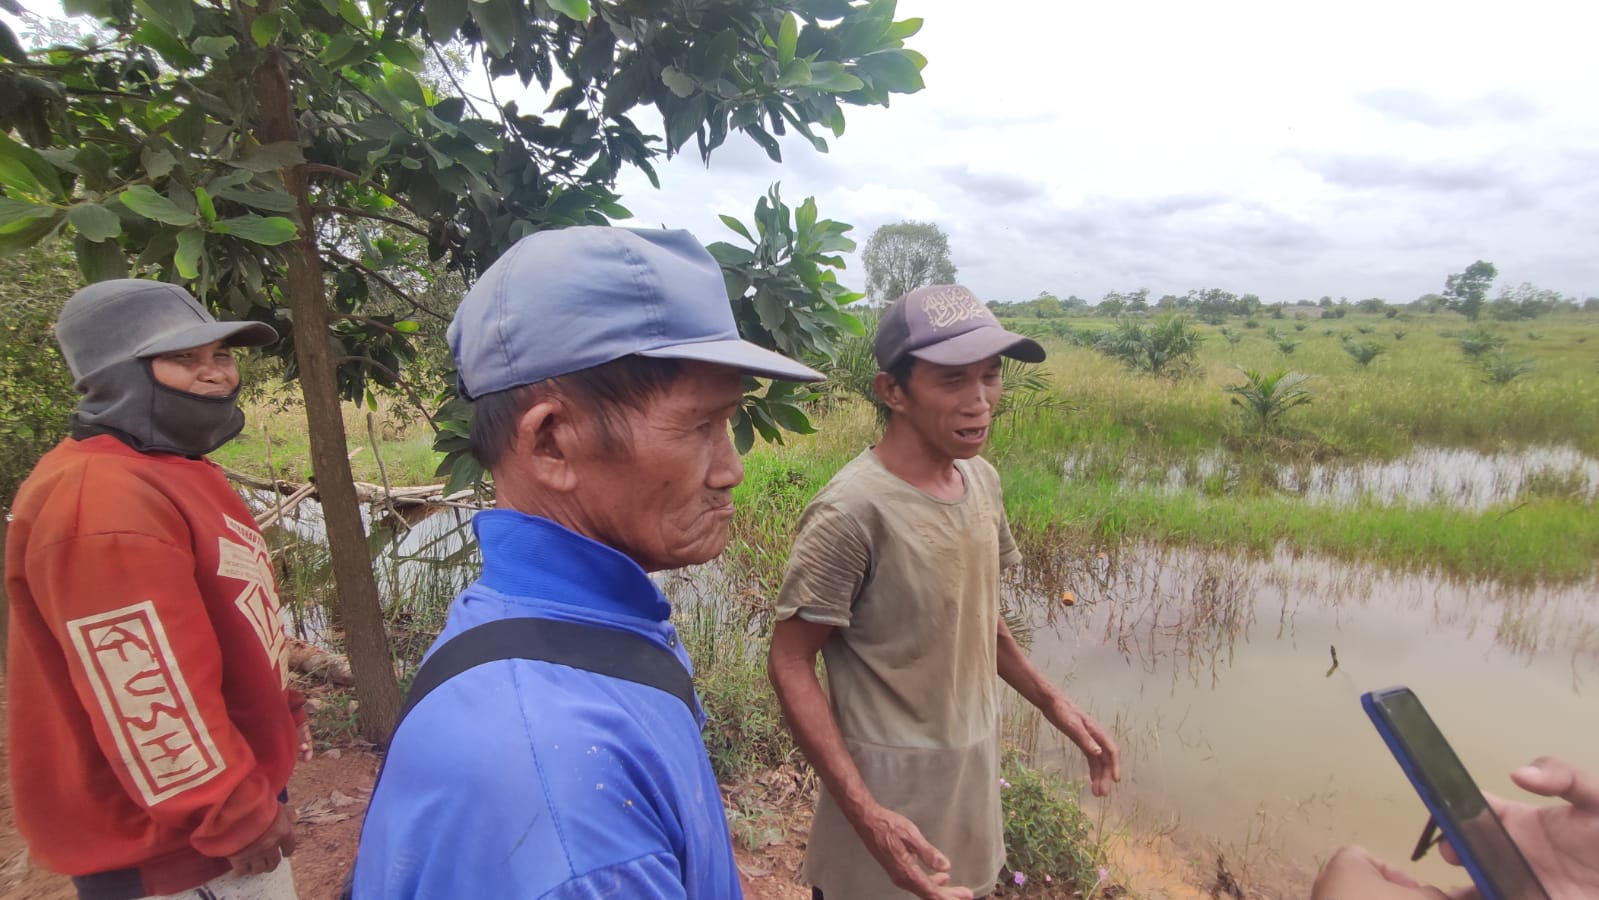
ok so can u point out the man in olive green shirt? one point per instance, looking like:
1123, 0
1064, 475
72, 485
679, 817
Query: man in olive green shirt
894, 578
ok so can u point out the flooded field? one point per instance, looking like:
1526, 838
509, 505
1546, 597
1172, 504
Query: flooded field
1454, 477
1241, 735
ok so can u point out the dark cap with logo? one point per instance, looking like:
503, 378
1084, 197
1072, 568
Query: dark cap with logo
947, 325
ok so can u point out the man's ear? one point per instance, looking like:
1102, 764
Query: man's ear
889, 391
545, 444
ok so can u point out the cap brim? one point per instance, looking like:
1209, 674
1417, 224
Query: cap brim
236, 334
741, 355
980, 344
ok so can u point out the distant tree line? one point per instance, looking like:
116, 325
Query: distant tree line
1465, 292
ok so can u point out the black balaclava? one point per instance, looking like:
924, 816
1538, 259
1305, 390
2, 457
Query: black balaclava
109, 332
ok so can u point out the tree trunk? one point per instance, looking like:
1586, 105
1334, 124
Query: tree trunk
365, 641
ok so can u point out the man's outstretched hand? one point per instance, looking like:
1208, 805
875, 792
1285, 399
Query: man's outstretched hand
911, 862
1099, 748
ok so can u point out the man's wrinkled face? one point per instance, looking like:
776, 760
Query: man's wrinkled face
668, 500
207, 371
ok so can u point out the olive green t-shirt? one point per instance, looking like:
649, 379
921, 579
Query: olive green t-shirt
912, 584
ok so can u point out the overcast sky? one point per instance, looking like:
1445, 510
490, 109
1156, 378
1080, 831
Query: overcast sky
1286, 149
1283, 148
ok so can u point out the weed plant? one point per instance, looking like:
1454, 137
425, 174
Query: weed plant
1049, 842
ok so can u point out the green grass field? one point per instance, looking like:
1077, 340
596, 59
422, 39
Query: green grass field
1123, 431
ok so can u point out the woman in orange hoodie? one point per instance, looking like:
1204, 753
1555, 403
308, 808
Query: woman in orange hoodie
152, 730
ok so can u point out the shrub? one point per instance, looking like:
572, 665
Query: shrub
1266, 397
1046, 832
1478, 341
1500, 368
1363, 352
36, 394
1166, 346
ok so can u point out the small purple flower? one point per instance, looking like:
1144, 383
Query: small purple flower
1104, 875
1004, 785
1020, 879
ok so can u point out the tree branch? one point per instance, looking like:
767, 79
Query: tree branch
363, 214
394, 289
368, 320
450, 74
400, 380
347, 175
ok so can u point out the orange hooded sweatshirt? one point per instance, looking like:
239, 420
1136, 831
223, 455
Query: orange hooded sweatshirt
151, 727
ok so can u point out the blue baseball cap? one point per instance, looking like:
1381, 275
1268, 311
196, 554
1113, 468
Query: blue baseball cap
564, 300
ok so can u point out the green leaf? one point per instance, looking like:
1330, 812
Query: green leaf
24, 235
743, 432
679, 83
270, 157
208, 209
720, 53
403, 55
100, 261
833, 77
405, 85
143, 199
339, 50
191, 246
94, 222
277, 200
407, 326
894, 70
444, 18
791, 417
497, 20
899, 31
572, 9
213, 47
771, 309
685, 121
24, 170
796, 73
737, 226
177, 15
351, 13
266, 28
805, 219
13, 211
268, 231
152, 35
787, 39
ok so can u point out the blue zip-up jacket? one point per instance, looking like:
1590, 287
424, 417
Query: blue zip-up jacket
526, 779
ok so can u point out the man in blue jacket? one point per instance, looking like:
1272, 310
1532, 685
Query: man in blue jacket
604, 366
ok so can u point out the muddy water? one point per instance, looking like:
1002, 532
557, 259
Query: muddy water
1238, 739
1446, 476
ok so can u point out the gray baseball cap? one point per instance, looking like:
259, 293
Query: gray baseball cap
135, 318
947, 325
564, 300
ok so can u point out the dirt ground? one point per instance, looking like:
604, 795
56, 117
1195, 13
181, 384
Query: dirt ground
329, 795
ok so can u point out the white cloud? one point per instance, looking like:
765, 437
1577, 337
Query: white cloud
1292, 151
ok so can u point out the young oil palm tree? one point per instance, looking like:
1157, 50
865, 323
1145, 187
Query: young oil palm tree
1266, 397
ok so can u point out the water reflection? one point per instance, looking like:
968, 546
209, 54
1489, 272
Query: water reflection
420, 564
1447, 476
1240, 734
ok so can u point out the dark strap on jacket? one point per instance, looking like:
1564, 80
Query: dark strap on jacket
592, 648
